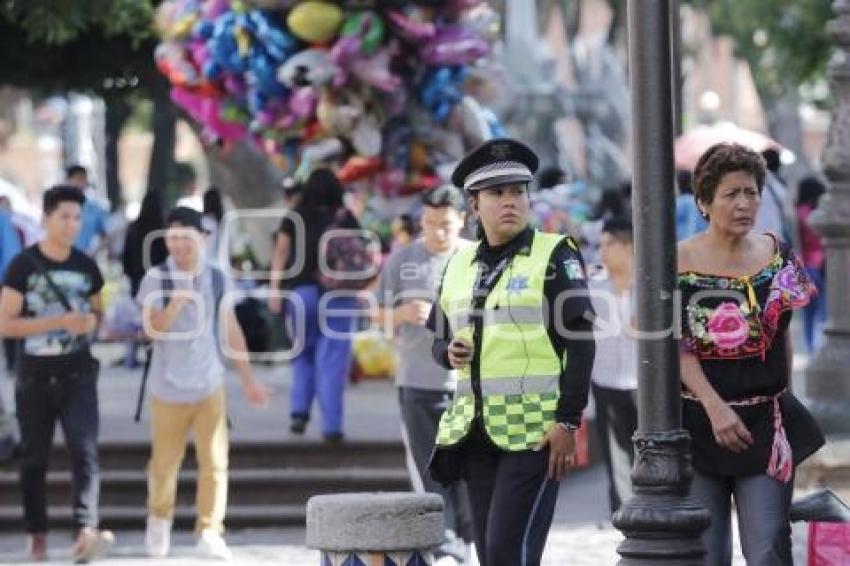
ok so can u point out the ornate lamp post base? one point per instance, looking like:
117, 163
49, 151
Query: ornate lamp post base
828, 386
662, 524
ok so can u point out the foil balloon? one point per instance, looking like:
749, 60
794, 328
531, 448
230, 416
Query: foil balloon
207, 112
171, 60
366, 137
338, 112
358, 167
314, 21
310, 67
454, 45
442, 90
375, 71
410, 28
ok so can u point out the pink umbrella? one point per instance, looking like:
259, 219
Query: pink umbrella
692, 144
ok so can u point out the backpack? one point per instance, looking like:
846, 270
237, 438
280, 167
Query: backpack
351, 259
167, 286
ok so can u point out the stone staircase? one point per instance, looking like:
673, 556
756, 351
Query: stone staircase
270, 482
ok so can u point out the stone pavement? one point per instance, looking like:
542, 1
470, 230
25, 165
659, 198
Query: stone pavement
581, 534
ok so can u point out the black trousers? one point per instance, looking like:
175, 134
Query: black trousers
616, 421
43, 397
512, 501
420, 414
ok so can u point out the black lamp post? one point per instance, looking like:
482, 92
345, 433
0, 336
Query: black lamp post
662, 525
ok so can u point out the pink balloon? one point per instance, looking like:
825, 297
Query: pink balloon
375, 71
206, 111
199, 52
234, 84
214, 8
409, 28
464, 4
454, 45
303, 102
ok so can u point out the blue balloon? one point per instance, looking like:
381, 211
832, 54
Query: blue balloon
441, 90
204, 29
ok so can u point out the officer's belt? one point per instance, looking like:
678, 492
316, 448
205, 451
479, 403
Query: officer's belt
530, 384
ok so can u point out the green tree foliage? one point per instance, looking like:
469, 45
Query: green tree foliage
85, 45
56, 22
785, 42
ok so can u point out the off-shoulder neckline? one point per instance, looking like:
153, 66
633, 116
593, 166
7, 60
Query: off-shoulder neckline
777, 252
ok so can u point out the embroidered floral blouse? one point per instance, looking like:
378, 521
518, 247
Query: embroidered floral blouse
736, 327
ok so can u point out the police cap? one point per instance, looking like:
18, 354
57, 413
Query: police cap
496, 162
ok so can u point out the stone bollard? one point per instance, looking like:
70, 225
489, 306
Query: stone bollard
362, 529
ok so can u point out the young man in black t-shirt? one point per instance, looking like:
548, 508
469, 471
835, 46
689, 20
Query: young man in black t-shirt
51, 300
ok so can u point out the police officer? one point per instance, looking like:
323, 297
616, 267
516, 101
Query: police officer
514, 319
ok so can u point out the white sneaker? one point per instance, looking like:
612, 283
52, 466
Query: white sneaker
212, 545
158, 537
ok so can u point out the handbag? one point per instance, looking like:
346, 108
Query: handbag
447, 465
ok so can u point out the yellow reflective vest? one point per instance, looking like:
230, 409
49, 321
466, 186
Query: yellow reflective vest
519, 369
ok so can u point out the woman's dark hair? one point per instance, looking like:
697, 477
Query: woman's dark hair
322, 191
620, 229
809, 191
214, 204
151, 215
611, 205
723, 158
56, 195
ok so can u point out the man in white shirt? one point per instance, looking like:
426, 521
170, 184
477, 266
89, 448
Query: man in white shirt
614, 377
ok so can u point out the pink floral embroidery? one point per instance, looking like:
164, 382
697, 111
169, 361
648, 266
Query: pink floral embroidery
727, 332
727, 326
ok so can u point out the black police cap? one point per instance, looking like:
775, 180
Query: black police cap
496, 162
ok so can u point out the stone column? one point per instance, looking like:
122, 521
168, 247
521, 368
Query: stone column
391, 529
828, 373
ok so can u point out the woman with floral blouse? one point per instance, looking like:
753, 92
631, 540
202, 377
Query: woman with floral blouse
748, 431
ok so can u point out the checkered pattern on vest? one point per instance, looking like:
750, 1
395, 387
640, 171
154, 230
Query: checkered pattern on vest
515, 353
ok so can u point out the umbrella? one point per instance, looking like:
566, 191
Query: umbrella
692, 144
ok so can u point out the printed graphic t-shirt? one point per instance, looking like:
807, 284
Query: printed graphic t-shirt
78, 277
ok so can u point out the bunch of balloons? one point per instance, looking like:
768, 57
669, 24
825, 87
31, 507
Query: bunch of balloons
378, 87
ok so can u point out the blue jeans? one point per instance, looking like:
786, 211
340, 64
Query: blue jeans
322, 366
814, 314
42, 398
763, 505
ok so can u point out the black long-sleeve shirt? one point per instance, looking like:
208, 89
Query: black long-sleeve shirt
565, 272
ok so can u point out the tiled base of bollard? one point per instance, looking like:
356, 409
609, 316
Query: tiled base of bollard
377, 559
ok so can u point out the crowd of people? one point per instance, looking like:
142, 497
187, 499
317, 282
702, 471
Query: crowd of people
495, 367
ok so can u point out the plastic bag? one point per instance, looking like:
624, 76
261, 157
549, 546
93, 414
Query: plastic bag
829, 544
374, 355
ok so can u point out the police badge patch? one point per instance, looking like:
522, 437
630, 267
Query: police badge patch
517, 284
573, 269
500, 151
